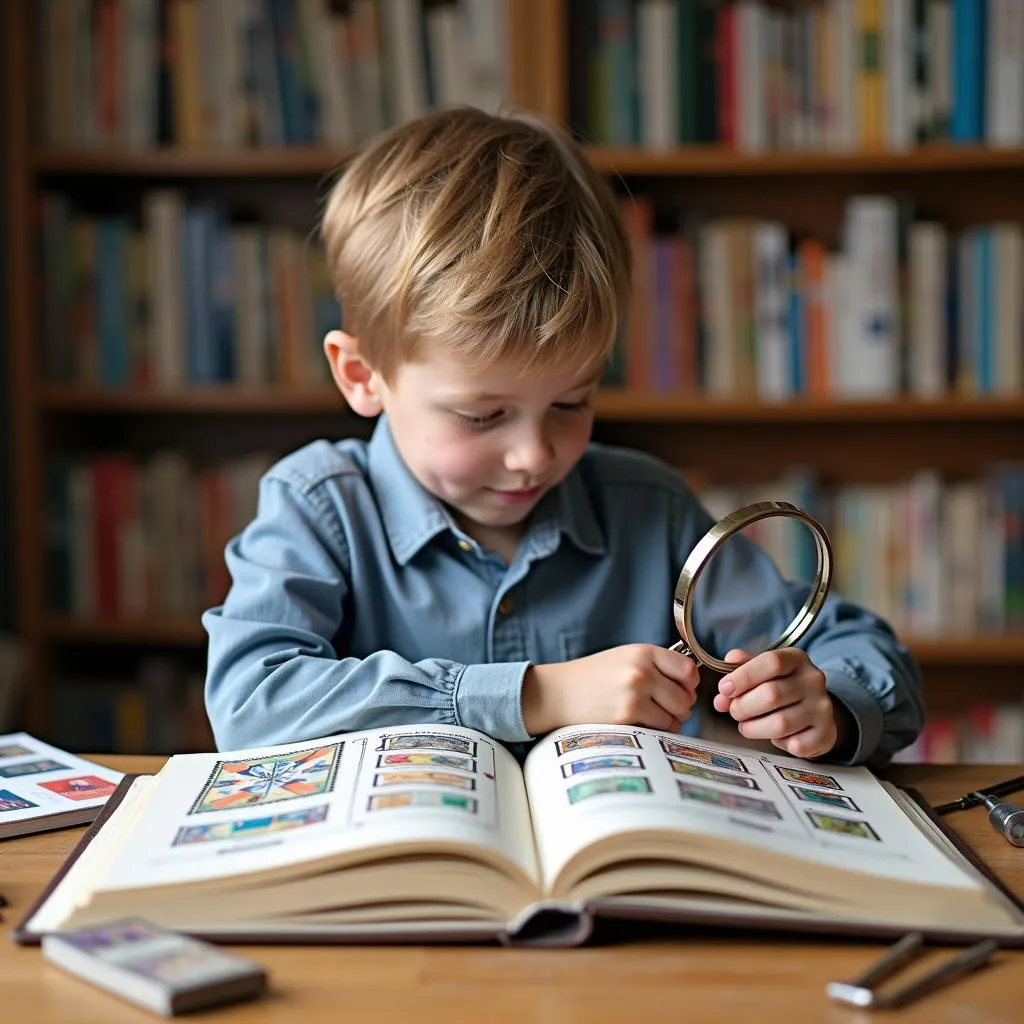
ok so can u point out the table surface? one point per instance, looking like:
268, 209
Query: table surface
703, 977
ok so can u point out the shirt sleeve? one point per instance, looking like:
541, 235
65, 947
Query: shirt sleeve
742, 601
273, 674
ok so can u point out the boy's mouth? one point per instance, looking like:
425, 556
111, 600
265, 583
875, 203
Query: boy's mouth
518, 496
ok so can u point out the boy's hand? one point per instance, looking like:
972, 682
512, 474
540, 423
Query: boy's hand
637, 684
780, 696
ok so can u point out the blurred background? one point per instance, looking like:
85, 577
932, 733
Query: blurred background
826, 205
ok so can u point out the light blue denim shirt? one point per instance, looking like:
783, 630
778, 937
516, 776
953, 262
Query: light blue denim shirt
356, 602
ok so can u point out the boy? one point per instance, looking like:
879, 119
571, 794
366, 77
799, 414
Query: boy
478, 561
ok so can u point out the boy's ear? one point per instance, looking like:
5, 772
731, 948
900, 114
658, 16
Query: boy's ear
358, 382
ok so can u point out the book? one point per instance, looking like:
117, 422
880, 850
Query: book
44, 787
155, 968
438, 834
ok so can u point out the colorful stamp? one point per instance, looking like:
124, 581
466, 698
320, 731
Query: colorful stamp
14, 750
247, 828
812, 796
413, 777
429, 741
589, 740
698, 771
266, 780
729, 801
12, 802
81, 787
427, 761
14, 771
704, 755
807, 778
615, 784
593, 764
841, 826
421, 798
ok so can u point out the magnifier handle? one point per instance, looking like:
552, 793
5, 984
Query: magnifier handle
682, 647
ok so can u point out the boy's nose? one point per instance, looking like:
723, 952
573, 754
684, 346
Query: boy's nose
531, 455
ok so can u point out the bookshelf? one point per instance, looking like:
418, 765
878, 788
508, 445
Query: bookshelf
850, 441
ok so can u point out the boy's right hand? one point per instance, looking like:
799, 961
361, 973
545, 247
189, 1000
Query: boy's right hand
637, 684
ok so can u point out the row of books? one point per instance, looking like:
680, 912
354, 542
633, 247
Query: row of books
181, 296
129, 538
729, 306
233, 73
985, 734
743, 306
828, 75
932, 557
158, 708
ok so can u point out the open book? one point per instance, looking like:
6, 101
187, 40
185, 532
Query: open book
43, 787
437, 833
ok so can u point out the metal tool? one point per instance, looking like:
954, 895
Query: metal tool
1005, 817
862, 993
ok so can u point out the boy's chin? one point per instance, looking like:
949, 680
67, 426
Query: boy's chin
489, 515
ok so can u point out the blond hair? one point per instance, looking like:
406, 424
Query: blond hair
491, 235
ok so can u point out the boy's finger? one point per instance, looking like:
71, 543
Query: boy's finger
656, 717
737, 656
778, 723
759, 669
675, 699
771, 695
677, 666
721, 703
809, 742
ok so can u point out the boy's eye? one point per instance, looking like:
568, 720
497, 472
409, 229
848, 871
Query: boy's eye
480, 422
579, 406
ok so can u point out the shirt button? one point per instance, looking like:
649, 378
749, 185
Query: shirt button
465, 545
505, 606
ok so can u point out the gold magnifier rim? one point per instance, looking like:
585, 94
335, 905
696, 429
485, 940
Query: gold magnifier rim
704, 550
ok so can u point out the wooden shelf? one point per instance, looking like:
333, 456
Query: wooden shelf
653, 407
717, 160
178, 162
688, 160
210, 399
984, 649
611, 405
142, 632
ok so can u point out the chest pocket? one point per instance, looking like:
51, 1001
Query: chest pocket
579, 643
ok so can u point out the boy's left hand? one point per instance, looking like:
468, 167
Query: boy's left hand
780, 696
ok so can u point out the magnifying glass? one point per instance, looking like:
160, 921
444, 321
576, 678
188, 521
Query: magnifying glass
716, 564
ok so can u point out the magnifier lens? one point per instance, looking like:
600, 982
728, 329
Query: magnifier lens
733, 597
730, 609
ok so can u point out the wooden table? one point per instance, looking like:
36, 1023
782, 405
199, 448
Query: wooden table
700, 979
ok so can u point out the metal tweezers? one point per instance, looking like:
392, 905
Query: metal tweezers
861, 992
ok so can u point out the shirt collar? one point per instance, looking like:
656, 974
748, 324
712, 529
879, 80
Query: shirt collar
412, 516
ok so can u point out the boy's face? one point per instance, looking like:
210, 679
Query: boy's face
488, 442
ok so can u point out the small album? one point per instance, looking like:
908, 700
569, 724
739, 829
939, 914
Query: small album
155, 968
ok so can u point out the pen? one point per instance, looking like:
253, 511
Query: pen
977, 797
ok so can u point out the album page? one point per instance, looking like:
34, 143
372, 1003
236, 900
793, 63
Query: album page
623, 787
269, 813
